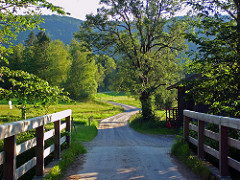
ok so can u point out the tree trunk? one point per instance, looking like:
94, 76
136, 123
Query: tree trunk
147, 113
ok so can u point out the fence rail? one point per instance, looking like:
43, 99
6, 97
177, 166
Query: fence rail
9, 131
222, 137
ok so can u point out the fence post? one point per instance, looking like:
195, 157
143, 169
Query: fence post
223, 151
9, 171
186, 128
201, 139
40, 151
57, 146
68, 129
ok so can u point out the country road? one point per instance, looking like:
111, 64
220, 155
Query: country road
118, 152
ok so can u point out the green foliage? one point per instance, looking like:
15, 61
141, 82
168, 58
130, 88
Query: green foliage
28, 89
81, 82
218, 58
12, 22
145, 42
181, 150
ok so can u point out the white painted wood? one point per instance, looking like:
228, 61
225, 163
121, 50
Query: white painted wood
62, 140
49, 134
234, 163
10, 129
211, 151
26, 146
230, 122
63, 126
193, 127
193, 141
211, 134
2, 157
48, 151
234, 143
26, 167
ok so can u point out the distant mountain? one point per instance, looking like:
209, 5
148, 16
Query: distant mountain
56, 27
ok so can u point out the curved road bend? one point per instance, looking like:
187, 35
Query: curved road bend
118, 152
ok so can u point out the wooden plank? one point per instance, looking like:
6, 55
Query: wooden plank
200, 139
9, 167
62, 140
57, 145
68, 130
40, 151
223, 150
63, 126
186, 128
10, 129
230, 122
193, 127
26, 146
234, 163
49, 134
202, 116
26, 167
234, 143
48, 151
193, 141
2, 157
211, 151
211, 134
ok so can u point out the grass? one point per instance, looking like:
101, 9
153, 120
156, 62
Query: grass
119, 98
151, 127
181, 150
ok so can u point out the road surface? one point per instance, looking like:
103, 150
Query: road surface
118, 152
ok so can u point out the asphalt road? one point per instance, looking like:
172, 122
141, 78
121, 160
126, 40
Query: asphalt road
118, 152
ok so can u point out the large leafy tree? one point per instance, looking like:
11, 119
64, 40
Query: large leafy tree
218, 58
137, 32
11, 22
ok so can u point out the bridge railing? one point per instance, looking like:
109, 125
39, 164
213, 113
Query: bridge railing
222, 137
9, 131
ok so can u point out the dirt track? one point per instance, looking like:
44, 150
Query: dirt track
118, 152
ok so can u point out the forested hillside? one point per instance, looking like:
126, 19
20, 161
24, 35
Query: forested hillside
56, 27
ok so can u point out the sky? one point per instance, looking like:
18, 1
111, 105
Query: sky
77, 8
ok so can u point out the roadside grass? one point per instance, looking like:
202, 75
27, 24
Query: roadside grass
181, 150
119, 98
151, 127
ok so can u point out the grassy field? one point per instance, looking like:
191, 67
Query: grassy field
119, 98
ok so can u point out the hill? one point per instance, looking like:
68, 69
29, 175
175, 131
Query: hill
56, 27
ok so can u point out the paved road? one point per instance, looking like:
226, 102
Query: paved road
118, 152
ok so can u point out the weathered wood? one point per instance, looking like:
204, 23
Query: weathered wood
193, 127
62, 140
223, 150
49, 134
2, 157
40, 151
230, 122
234, 164
26, 167
63, 126
26, 146
10, 129
57, 149
200, 139
234, 143
186, 127
68, 130
48, 150
193, 141
211, 151
9, 167
211, 134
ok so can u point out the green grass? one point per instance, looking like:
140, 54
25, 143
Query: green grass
181, 150
151, 127
119, 98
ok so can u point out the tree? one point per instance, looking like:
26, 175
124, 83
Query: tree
11, 22
137, 32
218, 59
28, 89
81, 82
